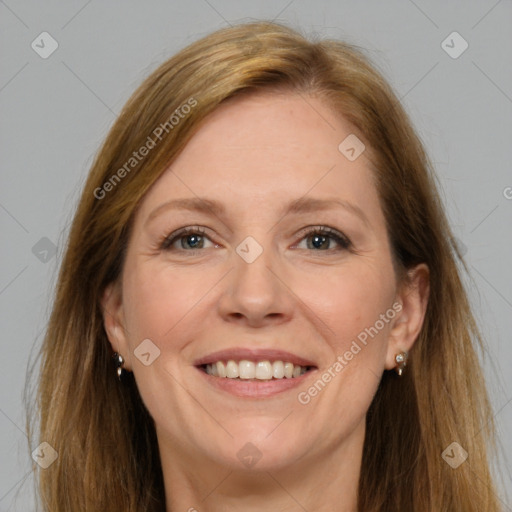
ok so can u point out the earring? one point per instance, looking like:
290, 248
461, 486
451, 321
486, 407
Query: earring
118, 362
401, 362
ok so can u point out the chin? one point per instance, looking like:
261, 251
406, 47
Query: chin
264, 444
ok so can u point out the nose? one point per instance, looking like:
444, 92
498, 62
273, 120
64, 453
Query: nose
256, 294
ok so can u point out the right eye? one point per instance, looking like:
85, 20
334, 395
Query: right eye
189, 238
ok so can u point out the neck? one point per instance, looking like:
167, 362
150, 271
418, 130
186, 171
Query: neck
322, 482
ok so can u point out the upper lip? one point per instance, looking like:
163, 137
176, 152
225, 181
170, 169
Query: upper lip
253, 354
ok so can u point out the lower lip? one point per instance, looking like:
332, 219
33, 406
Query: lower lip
254, 388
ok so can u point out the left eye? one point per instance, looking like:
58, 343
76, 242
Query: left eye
321, 238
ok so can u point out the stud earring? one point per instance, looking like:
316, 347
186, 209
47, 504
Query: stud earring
118, 362
401, 362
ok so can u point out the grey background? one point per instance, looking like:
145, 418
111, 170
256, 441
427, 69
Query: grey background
56, 111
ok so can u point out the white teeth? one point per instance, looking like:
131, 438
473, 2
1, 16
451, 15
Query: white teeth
221, 369
261, 370
232, 370
278, 369
246, 370
288, 370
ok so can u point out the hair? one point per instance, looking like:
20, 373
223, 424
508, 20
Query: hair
107, 448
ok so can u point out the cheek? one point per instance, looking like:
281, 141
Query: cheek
162, 305
357, 308
157, 299
356, 305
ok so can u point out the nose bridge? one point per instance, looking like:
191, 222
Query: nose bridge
253, 279
255, 291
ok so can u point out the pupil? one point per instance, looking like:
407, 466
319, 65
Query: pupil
193, 240
318, 241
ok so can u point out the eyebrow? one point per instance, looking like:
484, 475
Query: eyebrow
297, 206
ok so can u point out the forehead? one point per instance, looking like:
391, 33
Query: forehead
261, 149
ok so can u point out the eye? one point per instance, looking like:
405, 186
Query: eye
187, 239
318, 238
321, 238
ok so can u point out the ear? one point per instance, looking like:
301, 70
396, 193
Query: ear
413, 298
113, 321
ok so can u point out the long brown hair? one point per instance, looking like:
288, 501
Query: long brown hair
105, 438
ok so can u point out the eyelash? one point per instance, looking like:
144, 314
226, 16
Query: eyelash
335, 235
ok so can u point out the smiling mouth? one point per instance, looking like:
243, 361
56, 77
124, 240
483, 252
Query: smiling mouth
247, 370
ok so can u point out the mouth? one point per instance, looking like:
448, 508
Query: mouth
254, 373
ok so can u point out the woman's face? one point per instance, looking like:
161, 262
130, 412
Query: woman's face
287, 261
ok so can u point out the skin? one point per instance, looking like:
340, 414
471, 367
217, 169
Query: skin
255, 154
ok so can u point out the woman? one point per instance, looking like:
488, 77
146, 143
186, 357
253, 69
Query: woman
259, 244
